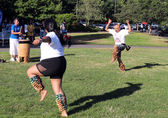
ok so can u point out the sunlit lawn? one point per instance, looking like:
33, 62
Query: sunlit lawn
135, 38
94, 87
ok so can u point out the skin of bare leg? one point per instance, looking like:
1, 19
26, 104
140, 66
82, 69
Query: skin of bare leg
33, 71
57, 88
114, 54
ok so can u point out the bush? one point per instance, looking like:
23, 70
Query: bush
69, 19
78, 27
92, 29
72, 24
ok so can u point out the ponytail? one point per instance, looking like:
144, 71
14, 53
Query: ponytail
50, 25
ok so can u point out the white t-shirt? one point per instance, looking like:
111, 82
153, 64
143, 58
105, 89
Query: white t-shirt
119, 37
54, 49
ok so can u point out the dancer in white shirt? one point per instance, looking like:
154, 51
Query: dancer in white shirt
52, 63
119, 38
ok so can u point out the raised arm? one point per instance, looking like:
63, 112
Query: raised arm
107, 26
129, 26
46, 39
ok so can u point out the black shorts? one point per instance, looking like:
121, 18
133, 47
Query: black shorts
53, 67
120, 47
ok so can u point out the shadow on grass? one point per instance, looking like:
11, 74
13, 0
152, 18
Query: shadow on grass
120, 92
147, 65
69, 54
35, 59
83, 39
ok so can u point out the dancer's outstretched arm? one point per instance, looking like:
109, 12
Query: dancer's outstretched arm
129, 26
107, 26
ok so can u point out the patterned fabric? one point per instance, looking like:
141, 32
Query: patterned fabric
37, 83
30, 30
61, 102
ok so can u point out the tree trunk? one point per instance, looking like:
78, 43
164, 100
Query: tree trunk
87, 23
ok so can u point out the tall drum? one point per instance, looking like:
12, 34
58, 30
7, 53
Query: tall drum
24, 50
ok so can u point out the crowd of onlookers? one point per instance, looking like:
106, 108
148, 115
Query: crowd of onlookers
28, 28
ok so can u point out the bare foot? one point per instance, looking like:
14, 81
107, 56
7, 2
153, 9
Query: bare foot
122, 67
43, 94
64, 114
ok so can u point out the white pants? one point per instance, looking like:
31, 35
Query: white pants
14, 43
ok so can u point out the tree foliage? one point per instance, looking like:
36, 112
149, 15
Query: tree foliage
144, 10
151, 11
38, 9
90, 10
68, 6
68, 18
8, 9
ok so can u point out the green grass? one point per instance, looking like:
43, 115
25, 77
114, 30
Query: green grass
136, 39
94, 87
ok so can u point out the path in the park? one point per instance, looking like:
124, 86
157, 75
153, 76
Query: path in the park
5, 49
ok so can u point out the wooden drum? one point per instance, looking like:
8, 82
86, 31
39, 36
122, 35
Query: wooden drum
24, 50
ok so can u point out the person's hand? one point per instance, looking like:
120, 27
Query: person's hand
109, 21
36, 42
127, 21
20, 33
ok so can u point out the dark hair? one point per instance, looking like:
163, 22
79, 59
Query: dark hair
50, 25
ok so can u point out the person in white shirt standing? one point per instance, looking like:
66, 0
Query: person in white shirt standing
119, 38
52, 63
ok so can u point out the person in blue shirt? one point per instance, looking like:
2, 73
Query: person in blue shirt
63, 28
14, 40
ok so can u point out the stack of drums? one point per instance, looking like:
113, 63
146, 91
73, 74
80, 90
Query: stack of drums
24, 50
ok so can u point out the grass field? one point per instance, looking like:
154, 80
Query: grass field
94, 87
135, 38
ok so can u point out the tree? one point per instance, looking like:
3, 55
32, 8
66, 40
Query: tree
144, 10
131, 10
38, 9
90, 10
68, 6
7, 7
108, 8
158, 11
69, 18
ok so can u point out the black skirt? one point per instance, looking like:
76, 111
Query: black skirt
120, 47
53, 67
